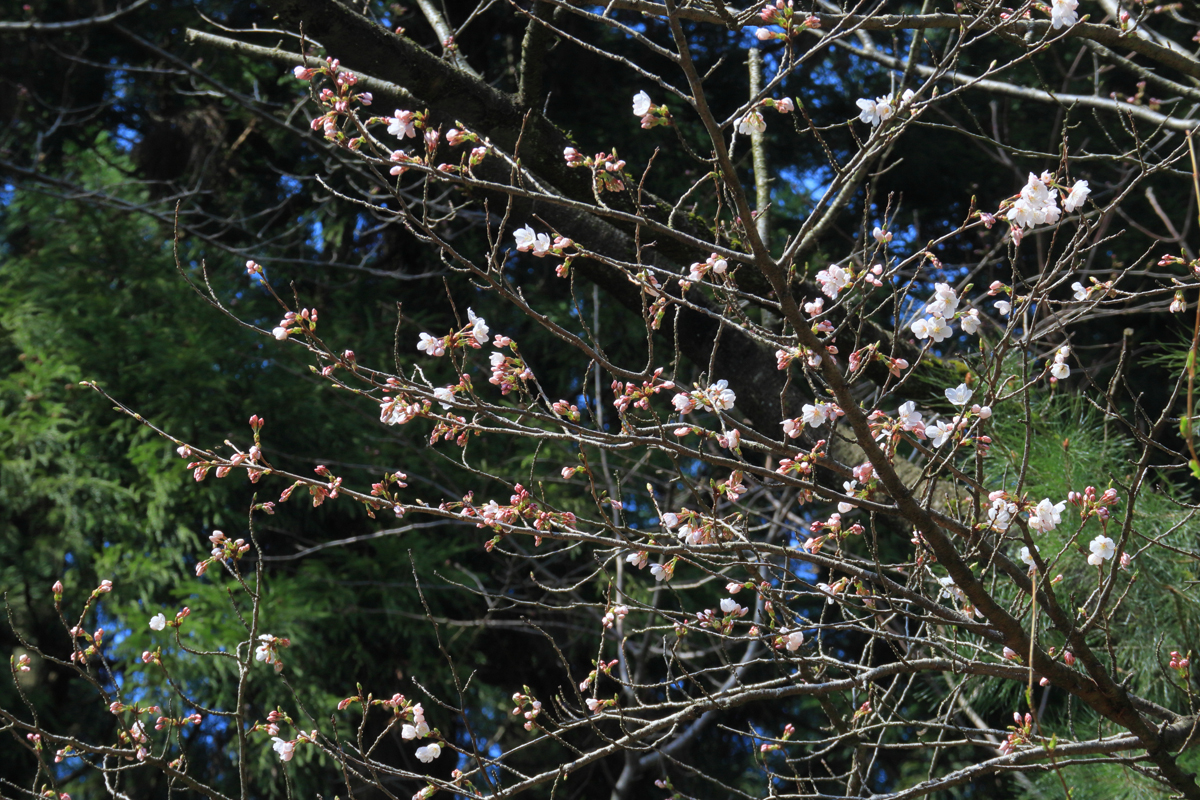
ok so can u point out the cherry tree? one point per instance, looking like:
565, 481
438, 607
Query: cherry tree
817, 486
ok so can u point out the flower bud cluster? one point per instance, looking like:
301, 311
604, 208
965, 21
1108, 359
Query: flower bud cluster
1092, 506
1020, 734
714, 264
527, 706
607, 169
784, 15
768, 747
630, 394
293, 323
601, 668
337, 101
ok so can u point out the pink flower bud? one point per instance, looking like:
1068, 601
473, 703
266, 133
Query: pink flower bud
1069, 658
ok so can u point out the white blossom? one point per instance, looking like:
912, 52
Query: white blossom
158, 622
944, 301
429, 752
816, 415
1037, 205
1062, 15
751, 123
1103, 548
832, 280
431, 345
960, 395
908, 416
720, 396
939, 432
1078, 194
1046, 515
480, 331
1001, 514
730, 606
934, 328
525, 238
950, 589
873, 112
641, 104
284, 748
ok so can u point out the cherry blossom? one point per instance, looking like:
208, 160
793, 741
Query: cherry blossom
719, 396
970, 322
793, 640
479, 328
950, 589
1046, 515
909, 418
429, 752
832, 280
874, 112
1027, 557
751, 123
158, 622
1103, 548
641, 104
816, 415
419, 729
1036, 204
729, 606
1062, 15
714, 263
1080, 191
661, 572
1003, 307
1059, 369
284, 748
1081, 292
431, 345
939, 432
934, 328
943, 303
401, 125
960, 395
525, 238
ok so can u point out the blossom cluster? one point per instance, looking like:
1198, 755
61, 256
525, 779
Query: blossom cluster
881, 109
716, 397
1037, 203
